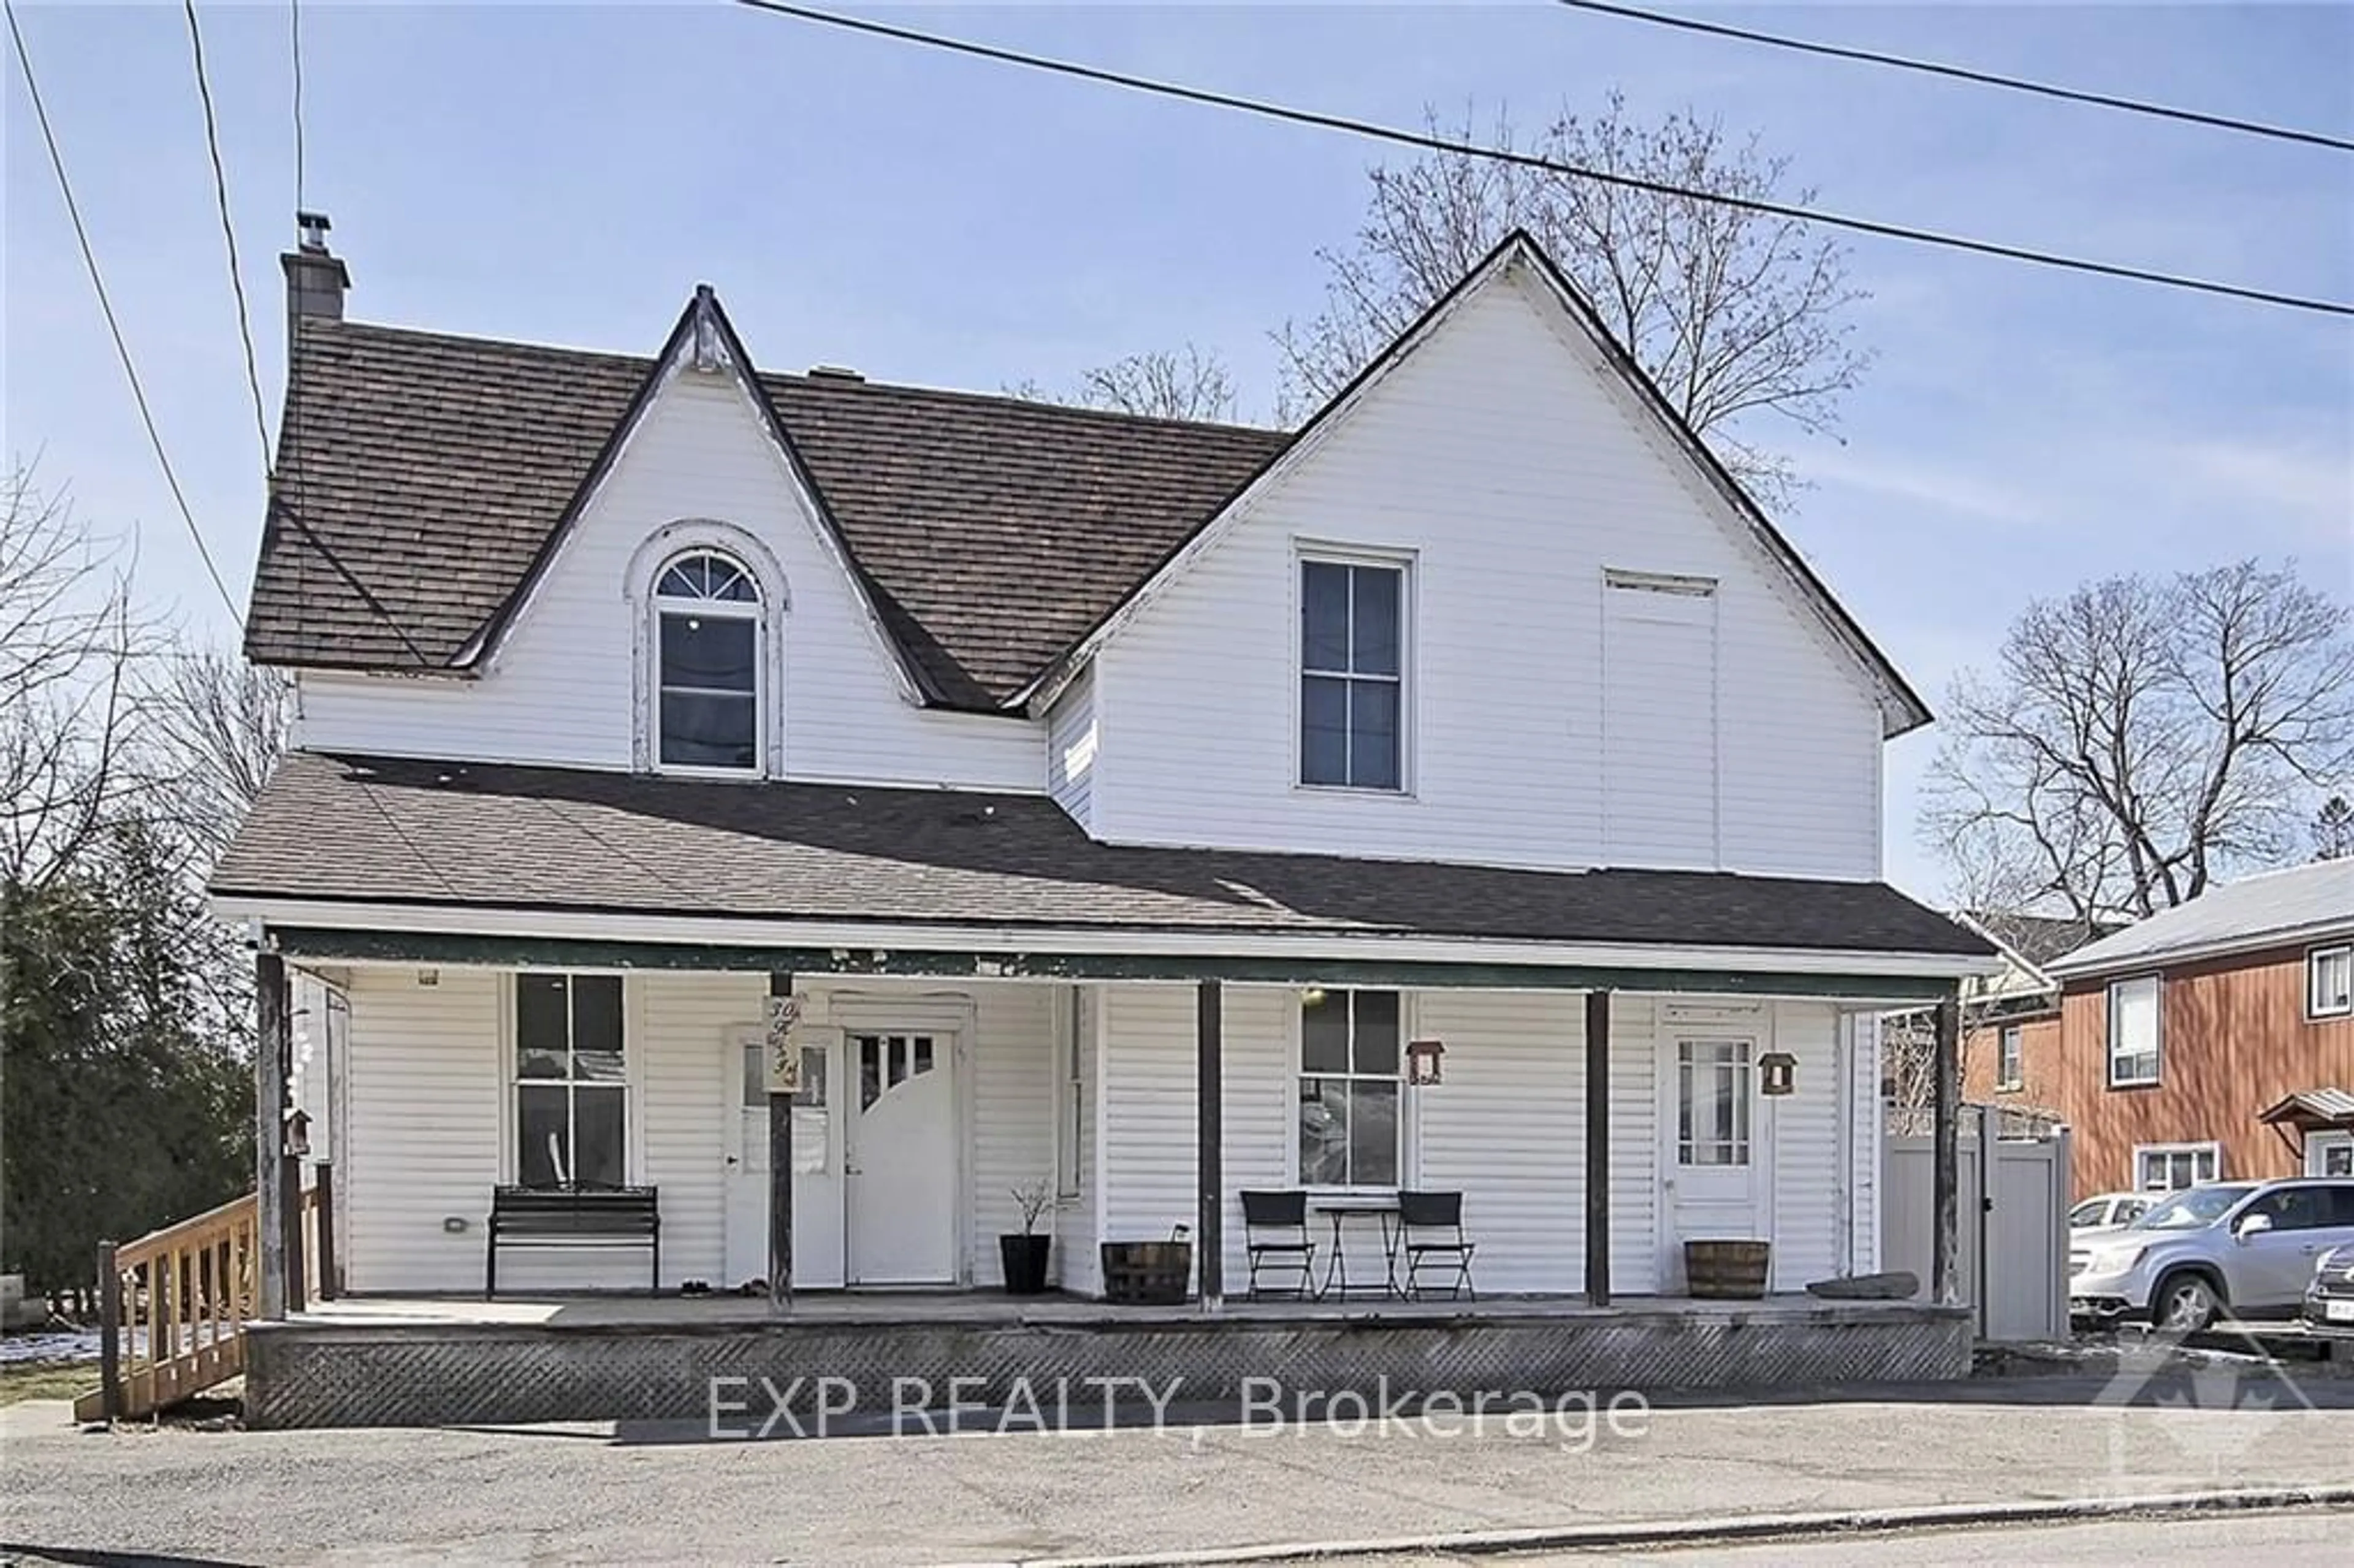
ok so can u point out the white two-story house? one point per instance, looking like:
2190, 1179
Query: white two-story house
1470, 791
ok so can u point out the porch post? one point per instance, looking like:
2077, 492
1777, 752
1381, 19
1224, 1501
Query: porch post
1209, 1091
1944, 1136
274, 1198
1597, 1148
780, 1173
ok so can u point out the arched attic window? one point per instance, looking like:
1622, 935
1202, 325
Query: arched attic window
708, 664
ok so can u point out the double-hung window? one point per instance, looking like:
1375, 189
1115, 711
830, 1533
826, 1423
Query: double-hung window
1349, 1053
707, 664
2010, 1064
1353, 635
572, 1095
2329, 983
2134, 1030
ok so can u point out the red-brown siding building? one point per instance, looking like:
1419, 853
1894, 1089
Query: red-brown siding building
2213, 1042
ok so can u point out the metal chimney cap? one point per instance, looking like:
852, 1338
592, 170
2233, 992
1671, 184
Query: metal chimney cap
312, 230
834, 373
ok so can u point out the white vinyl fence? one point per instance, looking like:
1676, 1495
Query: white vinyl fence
2014, 1225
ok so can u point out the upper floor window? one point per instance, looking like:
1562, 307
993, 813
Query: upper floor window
2329, 983
2134, 1032
1353, 673
707, 698
2010, 1064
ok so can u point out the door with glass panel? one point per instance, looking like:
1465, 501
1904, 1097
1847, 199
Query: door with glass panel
899, 1096
1712, 1166
817, 1161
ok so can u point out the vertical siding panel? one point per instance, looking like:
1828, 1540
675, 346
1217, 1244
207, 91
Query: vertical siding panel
1011, 1058
1805, 1146
1149, 1124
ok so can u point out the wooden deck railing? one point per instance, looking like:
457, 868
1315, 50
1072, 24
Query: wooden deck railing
174, 1304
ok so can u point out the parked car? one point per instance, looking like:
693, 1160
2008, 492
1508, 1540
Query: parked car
2330, 1297
2246, 1246
2110, 1209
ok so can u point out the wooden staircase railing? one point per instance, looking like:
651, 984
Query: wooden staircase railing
174, 1305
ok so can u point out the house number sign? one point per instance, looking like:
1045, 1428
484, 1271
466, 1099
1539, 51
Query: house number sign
784, 1053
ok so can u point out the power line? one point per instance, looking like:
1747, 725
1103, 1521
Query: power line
1530, 160
1964, 73
106, 308
228, 237
294, 31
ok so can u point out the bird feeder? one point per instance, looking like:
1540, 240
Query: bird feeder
1422, 1058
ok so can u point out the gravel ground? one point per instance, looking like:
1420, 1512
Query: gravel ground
593, 1493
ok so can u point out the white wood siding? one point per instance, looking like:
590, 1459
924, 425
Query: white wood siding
561, 690
1148, 1110
1803, 1136
1077, 1265
1503, 460
1634, 1146
1072, 740
1506, 1127
1012, 1102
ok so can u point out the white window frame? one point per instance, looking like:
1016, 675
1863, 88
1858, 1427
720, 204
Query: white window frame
2211, 1152
660, 606
1405, 1161
511, 1111
2343, 1006
2009, 1057
2156, 1052
1402, 563
1071, 1106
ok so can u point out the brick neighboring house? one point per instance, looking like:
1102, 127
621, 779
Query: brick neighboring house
2214, 1041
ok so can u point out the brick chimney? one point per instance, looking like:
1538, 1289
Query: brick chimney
316, 278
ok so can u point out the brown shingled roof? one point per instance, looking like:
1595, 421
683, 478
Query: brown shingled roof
993, 532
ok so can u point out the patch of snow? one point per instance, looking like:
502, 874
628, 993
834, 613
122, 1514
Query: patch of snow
62, 1345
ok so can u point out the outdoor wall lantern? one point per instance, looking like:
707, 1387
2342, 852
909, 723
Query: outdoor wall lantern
1422, 1061
1777, 1073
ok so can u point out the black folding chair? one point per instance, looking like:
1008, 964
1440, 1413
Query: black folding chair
1275, 1233
1430, 1233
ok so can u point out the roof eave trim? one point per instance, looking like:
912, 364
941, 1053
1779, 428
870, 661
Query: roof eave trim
2310, 933
2033, 971
997, 937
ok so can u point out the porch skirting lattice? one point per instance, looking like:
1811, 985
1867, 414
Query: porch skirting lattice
325, 1374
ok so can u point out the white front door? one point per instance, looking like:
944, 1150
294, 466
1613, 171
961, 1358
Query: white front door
817, 1165
1712, 1166
899, 1098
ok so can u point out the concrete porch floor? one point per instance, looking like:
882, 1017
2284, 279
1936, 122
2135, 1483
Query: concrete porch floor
592, 1311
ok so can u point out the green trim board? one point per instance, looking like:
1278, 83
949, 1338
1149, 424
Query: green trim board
332, 945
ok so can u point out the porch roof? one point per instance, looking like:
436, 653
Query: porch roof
381, 830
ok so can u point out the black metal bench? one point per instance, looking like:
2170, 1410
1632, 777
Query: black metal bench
572, 1216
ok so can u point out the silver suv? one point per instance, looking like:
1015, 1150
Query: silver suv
2248, 1247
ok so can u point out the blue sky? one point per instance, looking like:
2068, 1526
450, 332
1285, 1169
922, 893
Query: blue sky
568, 173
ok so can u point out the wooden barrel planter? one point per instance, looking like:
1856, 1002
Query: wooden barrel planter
1727, 1270
1147, 1274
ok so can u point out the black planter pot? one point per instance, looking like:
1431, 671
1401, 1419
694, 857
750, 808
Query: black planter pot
1025, 1264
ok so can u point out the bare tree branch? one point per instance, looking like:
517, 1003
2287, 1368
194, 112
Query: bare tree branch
1183, 384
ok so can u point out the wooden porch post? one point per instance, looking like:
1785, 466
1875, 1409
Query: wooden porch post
780, 1173
1597, 1148
1209, 1091
1944, 1133
274, 1199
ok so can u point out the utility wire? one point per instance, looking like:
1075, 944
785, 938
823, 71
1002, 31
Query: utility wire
1964, 73
113, 325
228, 237
1530, 160
294, 31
